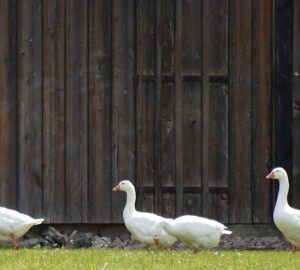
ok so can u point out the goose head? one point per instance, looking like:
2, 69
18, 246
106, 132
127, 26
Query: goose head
124, 185
277, 173
156, 239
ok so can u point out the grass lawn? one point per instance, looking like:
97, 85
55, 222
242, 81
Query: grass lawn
84, 259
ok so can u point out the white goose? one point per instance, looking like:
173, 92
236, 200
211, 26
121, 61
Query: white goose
286, 218
141, 224
14, 224
196, 232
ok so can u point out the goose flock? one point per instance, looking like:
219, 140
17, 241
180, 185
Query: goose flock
198, 232
155, 231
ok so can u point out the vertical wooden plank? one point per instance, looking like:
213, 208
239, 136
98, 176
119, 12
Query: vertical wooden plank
192, 104
191, 132
54, 110
215, 109
191, 37
240, 23
192, 150
167, 9
146, 142
8, 104
167, 133
168, 147
158, 89
296, 106
145, 102
283, 81
123, 99
261, 109
178, 109
76, 111
30, 189
99, 111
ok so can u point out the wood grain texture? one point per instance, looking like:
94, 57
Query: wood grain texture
168, 102
145, 101
296, 106
76, 111
30, 159
261, 110
191, 96
191, 37
283, 85
123, 96
215, 108
240, 47
178, 110
158, 91
173, 95
99, 80
8, 104
192, 145
54, 110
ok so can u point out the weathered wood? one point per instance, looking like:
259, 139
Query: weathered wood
239, 174
178, 109
283, 85
173, 95
8, 104
54, 110
191, 103
76, 111
192, 204
145, 101
215, 151
99, 182
123, 108
215, 108
30, 161
167, 205
191, 37
158, 90
167, 25
145, 137
296, 106
168, 141
261, 109
192, 144
168, 125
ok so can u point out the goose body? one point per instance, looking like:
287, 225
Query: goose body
196, 232
286, 218
141, 224
14, 224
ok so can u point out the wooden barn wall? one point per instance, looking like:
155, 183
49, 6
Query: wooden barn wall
175, 95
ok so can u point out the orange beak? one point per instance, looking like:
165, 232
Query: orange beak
116, 188
271, 175
156, 241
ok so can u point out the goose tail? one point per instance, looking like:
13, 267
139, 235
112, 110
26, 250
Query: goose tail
227, 232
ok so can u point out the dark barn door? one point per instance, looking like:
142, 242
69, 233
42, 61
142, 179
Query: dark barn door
204, 108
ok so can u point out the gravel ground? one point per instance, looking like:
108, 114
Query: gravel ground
52, 238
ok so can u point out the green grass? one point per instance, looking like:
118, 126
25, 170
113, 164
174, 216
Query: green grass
83, 259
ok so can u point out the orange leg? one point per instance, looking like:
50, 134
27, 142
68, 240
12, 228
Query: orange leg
147, 247
14, 241
294, 248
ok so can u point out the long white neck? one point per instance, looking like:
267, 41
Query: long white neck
166, 225
130, 203
282, 201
